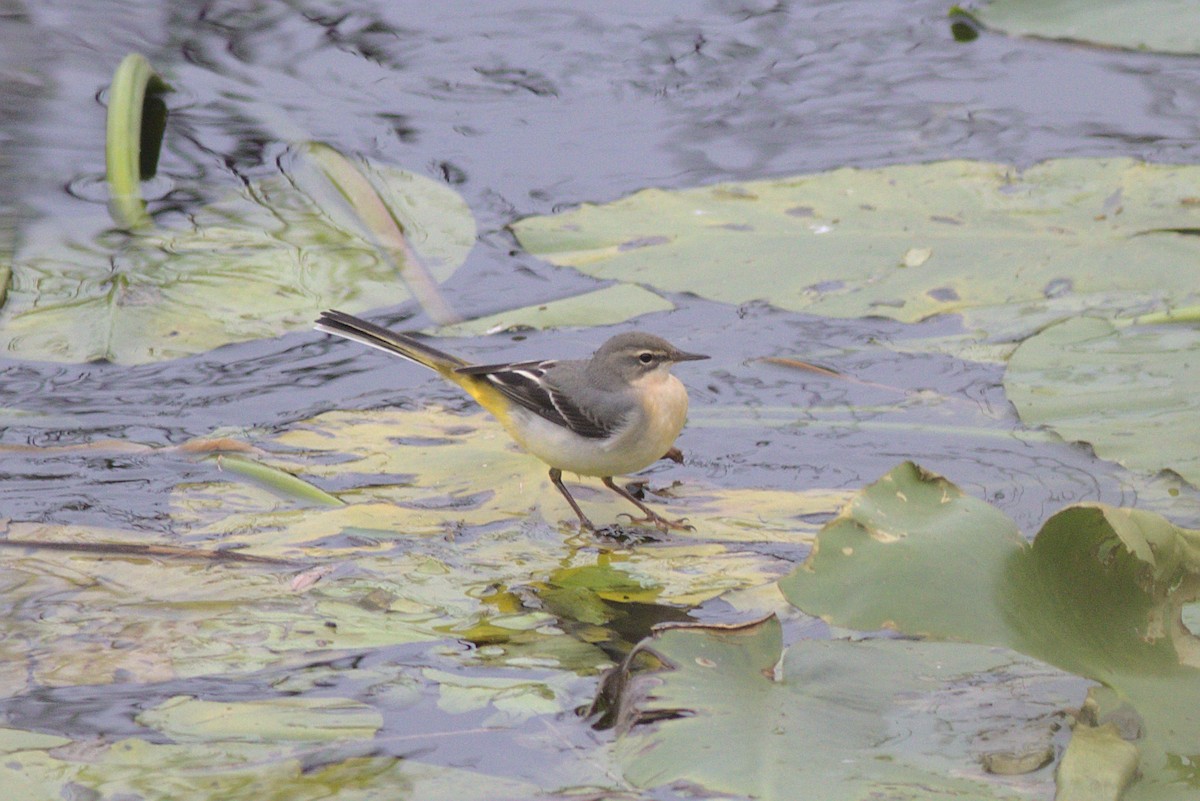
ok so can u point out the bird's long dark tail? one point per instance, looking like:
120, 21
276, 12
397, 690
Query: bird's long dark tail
375, 336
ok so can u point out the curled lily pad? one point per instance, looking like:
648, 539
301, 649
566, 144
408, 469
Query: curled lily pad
1099, 592
905, 242
136, 117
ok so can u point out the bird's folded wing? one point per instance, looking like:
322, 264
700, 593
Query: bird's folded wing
525, 384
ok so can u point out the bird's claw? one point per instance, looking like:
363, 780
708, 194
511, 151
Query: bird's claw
659, 522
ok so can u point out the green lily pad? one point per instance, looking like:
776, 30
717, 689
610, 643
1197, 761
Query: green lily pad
1132, 393
904, 242
260, 263
1099, 592
1169, 26
826, 719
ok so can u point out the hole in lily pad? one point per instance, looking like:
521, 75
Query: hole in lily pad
943, 293
1190, 615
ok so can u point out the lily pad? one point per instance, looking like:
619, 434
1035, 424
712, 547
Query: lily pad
1099, 592
428, 471
825, 719
255, 265
284, 719
608, 306
905, 242
1132, 393
1168, 26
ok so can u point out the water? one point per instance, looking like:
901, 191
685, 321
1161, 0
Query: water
525, 108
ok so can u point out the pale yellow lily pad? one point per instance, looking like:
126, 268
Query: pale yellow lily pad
609, 306
905, 242
423, 473
1168, 26
290, 719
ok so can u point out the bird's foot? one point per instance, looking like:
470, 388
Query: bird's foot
659, 522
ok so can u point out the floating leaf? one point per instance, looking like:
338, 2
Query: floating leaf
447, 535
833, 720
1099, 592
1169, 26
412, 479
281, 719
1132, 393
905, 242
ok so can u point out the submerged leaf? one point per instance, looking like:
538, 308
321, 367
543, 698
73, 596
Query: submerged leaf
255, 265
241, 771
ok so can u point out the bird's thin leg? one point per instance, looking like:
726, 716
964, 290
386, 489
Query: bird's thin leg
660, 522
556, 479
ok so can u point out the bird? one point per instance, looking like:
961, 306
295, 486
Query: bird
615, 413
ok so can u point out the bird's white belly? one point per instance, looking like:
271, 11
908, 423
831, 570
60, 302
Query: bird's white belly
640, 443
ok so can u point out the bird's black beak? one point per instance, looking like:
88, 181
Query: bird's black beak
682, 356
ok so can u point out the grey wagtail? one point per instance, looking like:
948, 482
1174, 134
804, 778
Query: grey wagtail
612, 414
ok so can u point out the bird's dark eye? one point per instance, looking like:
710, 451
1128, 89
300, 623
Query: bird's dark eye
645, 357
